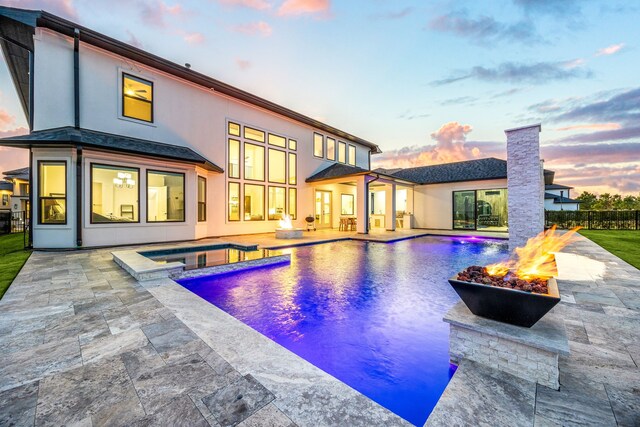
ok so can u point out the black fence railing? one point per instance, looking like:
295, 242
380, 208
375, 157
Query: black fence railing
594, 220
13, 222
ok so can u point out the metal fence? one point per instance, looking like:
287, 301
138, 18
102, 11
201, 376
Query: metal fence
13, 222
594, 220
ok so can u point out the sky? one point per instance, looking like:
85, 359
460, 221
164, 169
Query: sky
428, 81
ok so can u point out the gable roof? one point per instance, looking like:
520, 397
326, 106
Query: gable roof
19, 25
100, 140
558, 199
17, 173
469, 170
337, 170
557, 187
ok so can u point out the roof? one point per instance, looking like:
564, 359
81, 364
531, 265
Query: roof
18, 173
469, 170
6, 186
557, 187
337, 170
19, 25
558, 199
110, 142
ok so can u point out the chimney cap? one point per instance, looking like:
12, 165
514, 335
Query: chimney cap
537, 125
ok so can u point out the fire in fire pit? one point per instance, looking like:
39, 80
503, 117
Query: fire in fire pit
529, 270
285, 229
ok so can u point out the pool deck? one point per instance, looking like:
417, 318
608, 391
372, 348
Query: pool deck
83, 342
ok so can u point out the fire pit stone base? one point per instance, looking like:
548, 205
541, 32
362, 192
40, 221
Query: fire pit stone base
527, 353
288, 233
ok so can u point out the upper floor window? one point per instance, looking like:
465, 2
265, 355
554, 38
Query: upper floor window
331, 148
318, 145
352, 155
342, 152
137, 98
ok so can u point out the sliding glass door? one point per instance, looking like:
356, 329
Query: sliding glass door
464, 210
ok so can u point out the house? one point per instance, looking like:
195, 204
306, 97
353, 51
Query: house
127, 147
18, 180
6, 190
557, 197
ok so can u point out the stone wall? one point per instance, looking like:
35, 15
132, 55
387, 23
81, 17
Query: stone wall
522, 361
525, 184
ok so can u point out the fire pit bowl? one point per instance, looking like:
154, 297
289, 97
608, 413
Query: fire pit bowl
507, 305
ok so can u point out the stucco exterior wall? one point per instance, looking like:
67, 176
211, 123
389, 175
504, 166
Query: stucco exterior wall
433, 203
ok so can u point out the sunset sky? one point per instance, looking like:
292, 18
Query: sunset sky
430, 82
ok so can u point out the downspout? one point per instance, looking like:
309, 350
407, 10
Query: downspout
31, 85
31, 165
30, 243
76, 98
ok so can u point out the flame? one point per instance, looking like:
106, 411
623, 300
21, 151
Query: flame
285, 223
535, 259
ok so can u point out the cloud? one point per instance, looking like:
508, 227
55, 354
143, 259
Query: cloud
484, 28
301, 7
592, 126
394, 15
254, 28
63, 8
7, 120
605, 135
12, 158
193, 38
155, 12
243, 64
459, 100
510, 72
508, 92
618, 152
622, 178
408, 115
622, 107
134, 41
557, 8
610, 50
251, 4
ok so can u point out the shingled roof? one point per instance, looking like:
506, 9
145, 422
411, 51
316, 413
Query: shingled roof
559, 199
18, 173
337, 170
106, 141
470, 170
6, 186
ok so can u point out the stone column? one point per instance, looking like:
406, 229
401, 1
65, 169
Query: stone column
525, 184
390, 207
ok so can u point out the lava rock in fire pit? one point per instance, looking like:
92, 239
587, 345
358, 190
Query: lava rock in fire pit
478, 274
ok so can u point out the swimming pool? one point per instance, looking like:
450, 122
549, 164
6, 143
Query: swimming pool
370, 314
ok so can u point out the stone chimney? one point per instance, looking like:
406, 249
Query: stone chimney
525, 184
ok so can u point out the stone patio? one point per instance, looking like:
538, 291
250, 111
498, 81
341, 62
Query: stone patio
83, 343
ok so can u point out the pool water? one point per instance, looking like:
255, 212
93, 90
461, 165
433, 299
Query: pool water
370, 314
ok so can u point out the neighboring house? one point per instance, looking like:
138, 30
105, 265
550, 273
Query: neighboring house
6, 190
127, 147
557, 197
19, 181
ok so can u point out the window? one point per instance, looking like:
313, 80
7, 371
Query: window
331, 148
464, 210
52, 193
293, 203
202, 198
277, 140
234, 129
293, 169
352, 155
342, 152
5, 199
253, 202
480, 210
253, 134
137, 98
347, 204
318, 145
165, 196
234, 158
253, 162
293, 144
277, 202
234, 202
115, 194
277, 166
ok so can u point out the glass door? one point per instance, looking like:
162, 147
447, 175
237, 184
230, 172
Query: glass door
464, 210
323, 209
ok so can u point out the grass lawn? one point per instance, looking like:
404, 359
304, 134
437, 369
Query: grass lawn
12, 258
623, 244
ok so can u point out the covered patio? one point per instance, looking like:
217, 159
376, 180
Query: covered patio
349, 198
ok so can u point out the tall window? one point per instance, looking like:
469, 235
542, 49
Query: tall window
318, 145
137, 98
52, 192
234, 158
293, 169
293, 203
165, 196
277, 202
331, 148
253, 162
277, 166
342, 152
202, 198
347, 204
5, 200
464, 210
115, 194
480, 210
234, 202
352, 155
253, 202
